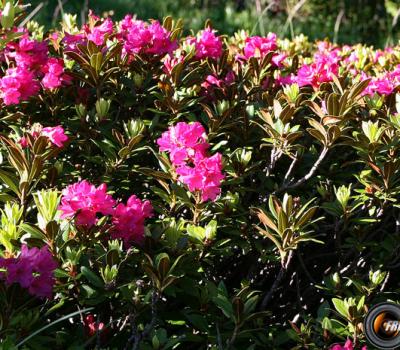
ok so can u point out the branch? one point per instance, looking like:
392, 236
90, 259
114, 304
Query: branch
233, 338
308, 175
275, 155
149, 326
277, 281
136, 337
291, 167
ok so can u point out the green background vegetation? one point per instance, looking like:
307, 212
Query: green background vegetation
373, 22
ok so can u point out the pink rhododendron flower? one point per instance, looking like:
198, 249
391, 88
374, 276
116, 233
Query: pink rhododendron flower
321, 71
128, 220
257, 46
347, 346
83, 201
170, 62
211, 80
278, 59
141, 37
205, 176
33, 269
285, 80
207, 44
27, 53
383, 85
327, 52
56, 135
187, 147
183, 141
17, 85
71, 40
54, 73
98, 33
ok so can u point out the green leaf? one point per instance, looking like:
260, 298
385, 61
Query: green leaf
33, 231
10, 180
162, 264
224, 304
92, 277
196, 232
340, 307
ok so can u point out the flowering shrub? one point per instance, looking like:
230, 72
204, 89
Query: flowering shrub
165, 191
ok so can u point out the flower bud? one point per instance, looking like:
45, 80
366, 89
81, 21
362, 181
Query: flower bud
102, 108
134, 128
222, 106
80, 110
7, 15
69, 22
138, 80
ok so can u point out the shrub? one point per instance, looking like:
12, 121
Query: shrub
162, 191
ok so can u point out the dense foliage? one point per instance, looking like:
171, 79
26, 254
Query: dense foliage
374, 22
165, 191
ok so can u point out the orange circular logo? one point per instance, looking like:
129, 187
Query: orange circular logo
382, 326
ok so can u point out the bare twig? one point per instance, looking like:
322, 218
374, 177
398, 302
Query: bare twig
277, 281
275, 155
31, 15
84, 11
291, 14
260, 17
337, 25
149, 326
303, 265
385, 282
136, 337
308, 175
291, 167
58, 9
233, 338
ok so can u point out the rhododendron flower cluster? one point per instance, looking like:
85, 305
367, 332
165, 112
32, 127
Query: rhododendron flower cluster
204, 174
128, 220
211, 80
33, 269
18, 84
187, 146
183, 141
382, 86
314, 74
84, 201
70, 41
171, 61
325, 65
98, 33
29, 63
257, 46
347, 346
55, 134
92, 326
207, 44
54, 75
28, 53
97, 30
141, 37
